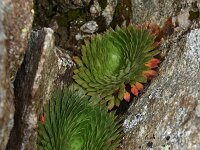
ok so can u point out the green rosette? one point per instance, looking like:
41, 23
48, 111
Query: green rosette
71, 122
114, 59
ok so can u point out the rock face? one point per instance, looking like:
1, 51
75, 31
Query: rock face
15, 23
34, 84
158, 11
167, 114
18, 18
6, 101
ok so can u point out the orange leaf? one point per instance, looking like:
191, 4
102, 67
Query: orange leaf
153, 63
150, 73
127, 96
139, 86
134, 90
42, 118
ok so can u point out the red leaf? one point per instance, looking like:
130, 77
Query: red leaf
134, 90
139, 86
127, 96
153, 63
42, 118
149, 74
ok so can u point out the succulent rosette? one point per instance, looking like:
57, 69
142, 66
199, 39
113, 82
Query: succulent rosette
115, 59
71, 122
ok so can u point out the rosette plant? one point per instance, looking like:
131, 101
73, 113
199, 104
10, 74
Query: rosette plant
71, 122
112, 61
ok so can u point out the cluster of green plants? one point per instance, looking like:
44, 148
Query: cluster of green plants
113, 60
73, 123
78, 118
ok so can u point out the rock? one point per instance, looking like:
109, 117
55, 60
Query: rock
15, 23
33, 86
72, 4
197, 110
89, 27
167, 114
6, 93
108, 12
157, 11
183, 19
95, 9
18, 20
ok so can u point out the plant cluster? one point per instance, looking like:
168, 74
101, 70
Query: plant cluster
110, 62
73, 123
115, 59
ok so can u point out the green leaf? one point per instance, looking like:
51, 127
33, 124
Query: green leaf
111, 103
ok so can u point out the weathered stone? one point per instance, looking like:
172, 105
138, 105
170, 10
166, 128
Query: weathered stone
167, 114
183, 19
15, 23
89, 27
108, 12
33, 86
69, 17
95, 9
158, 11
18, 20
6, 94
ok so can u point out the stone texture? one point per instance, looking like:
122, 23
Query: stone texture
15, 22
6, 95
34, 83
18, 20
69, 20
166, 115
158, 11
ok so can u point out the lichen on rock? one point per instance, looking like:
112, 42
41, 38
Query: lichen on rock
166, 115
169, 107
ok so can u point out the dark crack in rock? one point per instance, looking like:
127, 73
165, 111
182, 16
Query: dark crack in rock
15, 23
33, 86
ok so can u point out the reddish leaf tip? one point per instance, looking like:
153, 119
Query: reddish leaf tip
127, 96
42, 118
149, 74
153, 63
139, 86
134, 90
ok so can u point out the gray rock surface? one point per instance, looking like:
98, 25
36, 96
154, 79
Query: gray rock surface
166, 115
15, 22
158, 11
6, 95
18, 18
33, 86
